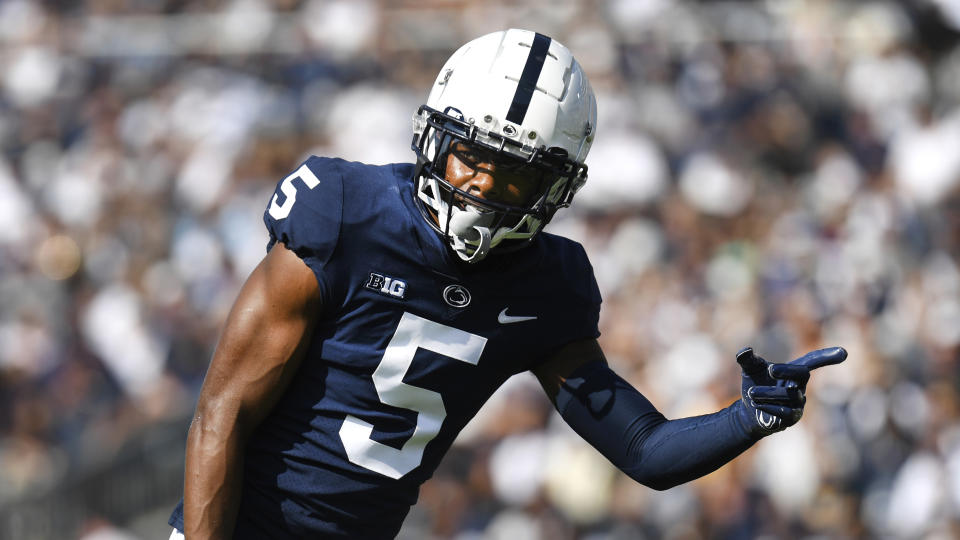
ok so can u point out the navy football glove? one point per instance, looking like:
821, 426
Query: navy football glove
772, 395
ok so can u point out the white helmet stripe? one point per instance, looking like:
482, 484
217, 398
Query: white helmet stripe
528, 79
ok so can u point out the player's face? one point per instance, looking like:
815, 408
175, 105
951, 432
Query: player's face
480, 173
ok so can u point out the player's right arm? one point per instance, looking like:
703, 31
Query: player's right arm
265, 336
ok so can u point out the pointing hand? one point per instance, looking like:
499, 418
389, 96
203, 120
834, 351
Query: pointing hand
773, 395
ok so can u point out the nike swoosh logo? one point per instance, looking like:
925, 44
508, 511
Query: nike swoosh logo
503, 318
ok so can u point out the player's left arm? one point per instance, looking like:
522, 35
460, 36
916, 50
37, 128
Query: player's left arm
626, 428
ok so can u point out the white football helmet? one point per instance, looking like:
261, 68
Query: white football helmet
523, 96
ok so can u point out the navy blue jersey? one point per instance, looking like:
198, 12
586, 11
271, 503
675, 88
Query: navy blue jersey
410, 344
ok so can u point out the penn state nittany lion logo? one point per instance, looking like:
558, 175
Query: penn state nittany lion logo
457, 296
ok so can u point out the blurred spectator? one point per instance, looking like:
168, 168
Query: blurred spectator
782, 174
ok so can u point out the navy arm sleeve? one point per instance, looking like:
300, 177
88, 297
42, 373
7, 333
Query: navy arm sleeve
628, 430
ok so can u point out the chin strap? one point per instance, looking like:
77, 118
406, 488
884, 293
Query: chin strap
470, 233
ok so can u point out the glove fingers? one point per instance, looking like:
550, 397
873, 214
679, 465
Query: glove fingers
821, 357
749, 362
790, 372
776, 395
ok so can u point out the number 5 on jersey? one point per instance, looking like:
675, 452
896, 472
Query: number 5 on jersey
412, 333
281, 211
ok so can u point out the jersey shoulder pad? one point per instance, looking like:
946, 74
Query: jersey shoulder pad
369, 191
567, 290
305, 210
568, 258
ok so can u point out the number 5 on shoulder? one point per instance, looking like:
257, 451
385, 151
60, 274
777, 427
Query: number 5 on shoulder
281, 211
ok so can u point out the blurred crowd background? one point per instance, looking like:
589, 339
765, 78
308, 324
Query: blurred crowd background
783, 174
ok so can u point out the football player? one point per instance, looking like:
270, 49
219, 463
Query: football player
394, 300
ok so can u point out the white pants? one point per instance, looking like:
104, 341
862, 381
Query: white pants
176, 535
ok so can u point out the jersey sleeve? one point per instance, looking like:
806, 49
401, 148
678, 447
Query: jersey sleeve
585, 294
305, 213
572, 300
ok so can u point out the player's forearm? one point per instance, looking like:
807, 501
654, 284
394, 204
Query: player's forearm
212, 483
628, 430
677, 451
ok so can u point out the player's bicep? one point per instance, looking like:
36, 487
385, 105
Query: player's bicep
567, 359
266, 333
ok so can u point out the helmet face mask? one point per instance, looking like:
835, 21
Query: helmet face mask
555, 175
472, 112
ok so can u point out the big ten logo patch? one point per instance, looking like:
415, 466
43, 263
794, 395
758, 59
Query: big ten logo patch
389, 286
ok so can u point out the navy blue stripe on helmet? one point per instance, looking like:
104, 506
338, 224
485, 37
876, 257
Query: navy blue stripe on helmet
528, 79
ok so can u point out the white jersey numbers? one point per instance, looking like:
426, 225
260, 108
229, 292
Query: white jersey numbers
280, 211
412, 333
